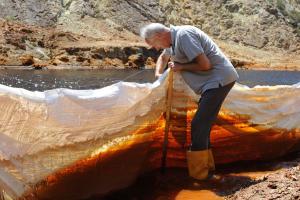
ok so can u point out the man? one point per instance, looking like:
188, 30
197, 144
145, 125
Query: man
206, 70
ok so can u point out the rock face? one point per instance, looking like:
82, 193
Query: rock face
261, 24
272, 25
43, 13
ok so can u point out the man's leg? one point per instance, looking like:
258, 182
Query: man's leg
209, 107
200, 158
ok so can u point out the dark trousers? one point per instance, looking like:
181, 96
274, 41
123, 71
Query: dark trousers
209, 106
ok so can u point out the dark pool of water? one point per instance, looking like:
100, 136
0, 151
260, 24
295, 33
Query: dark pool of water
91, 79
74, 79
258, 77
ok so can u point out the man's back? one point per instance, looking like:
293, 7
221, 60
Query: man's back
187, 43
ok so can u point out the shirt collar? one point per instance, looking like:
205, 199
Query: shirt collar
173, 36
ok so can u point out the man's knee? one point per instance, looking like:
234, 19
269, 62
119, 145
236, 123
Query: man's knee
202, 121
200, 145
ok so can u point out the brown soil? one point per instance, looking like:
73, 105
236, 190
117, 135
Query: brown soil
38, 47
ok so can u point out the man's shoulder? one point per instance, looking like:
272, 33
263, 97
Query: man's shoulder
187, 29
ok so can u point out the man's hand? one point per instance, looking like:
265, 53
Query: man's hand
175, 66
157, 75
161, 63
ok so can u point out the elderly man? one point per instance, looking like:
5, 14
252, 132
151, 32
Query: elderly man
206, 70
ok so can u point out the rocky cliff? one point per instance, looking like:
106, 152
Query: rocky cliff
104, 33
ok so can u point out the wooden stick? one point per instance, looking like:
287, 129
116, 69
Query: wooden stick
167, 124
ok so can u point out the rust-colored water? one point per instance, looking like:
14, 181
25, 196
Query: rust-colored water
175, 183
106, 170
197, 195
233, 139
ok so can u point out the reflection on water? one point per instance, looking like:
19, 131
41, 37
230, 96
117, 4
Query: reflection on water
91, 79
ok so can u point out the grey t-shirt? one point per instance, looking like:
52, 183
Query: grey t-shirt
187, 43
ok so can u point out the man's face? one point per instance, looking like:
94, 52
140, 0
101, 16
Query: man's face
158, 41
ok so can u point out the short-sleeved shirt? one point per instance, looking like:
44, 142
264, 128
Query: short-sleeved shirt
187, 43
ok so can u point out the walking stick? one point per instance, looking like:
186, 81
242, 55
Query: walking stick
167, 124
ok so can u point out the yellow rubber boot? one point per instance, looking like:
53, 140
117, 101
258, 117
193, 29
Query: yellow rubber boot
198, 164
211, 162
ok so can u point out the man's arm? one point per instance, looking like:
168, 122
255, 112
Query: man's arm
161, 63
201, 63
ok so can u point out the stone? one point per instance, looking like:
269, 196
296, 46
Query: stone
232, 7
136, 60
27, 60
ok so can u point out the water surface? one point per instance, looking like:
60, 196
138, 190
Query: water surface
41, 80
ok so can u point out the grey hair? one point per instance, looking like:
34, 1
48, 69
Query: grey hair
151, 29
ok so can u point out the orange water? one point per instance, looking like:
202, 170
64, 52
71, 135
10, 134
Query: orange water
233, 138
197, 195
